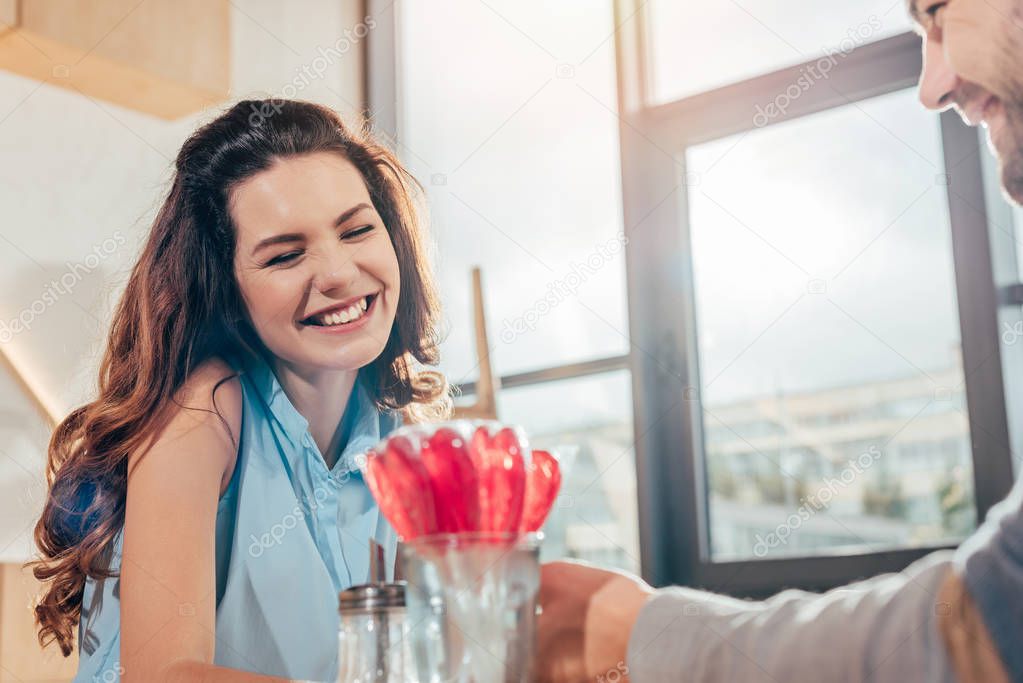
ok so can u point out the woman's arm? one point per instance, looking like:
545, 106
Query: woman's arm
168, 577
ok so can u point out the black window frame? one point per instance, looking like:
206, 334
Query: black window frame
672, 483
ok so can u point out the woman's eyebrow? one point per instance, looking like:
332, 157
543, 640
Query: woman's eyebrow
297, 237
350, 212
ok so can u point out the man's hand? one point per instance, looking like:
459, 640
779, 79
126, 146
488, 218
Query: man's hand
588, 614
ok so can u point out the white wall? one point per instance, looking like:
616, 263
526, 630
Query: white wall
80, 183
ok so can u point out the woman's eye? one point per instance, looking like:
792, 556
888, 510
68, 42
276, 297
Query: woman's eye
283, 258
357, 232
936, 14
292, 255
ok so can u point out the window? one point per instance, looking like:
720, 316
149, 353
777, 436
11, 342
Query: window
506, 114
589, 421
1005, 225
507, 119
719, 43
815, 362
811, 239
798, 235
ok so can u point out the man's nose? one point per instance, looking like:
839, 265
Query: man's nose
937, 81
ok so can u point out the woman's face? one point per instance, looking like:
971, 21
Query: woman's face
309, 243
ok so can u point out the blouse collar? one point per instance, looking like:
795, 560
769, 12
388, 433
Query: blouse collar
368, 424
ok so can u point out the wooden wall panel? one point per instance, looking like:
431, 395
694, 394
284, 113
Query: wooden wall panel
21, 658
168, 58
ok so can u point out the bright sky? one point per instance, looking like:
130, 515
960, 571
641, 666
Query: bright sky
850, 198
520, 160
699, 45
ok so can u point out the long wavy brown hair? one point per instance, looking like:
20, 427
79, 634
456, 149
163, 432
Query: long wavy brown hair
182, 306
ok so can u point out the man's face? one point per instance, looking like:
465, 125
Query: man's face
973, 60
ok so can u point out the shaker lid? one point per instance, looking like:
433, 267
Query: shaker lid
372, 596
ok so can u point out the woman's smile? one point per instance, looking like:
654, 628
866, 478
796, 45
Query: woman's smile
342, 318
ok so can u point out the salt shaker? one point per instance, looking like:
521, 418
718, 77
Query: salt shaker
372, 642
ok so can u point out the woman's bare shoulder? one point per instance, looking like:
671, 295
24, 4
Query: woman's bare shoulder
204, 417
214, 385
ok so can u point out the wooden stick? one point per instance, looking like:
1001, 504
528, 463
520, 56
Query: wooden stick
485, 407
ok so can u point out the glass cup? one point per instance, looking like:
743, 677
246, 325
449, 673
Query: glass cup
472, 601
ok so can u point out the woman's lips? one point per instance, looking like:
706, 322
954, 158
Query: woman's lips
351, 309
345, 328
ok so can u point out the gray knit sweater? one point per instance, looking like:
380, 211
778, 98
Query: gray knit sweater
882, 629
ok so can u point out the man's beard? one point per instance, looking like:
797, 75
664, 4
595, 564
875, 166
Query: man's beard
1009, 146
1010, 150
1007, 142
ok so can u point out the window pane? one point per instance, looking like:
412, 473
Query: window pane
1005, 229
737, 39
590, 420
507, 119
829, 341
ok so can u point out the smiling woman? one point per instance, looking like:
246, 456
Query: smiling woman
286, 268
307, 268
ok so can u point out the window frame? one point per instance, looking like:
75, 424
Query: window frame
674, 529
383, 95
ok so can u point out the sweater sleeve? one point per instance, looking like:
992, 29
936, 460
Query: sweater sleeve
882, 629
991, 562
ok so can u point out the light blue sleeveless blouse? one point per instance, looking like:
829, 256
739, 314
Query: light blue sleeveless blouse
291, 535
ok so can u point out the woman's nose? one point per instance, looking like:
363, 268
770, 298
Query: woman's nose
338, 270
937, 80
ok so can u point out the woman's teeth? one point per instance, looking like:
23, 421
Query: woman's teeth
345, 315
